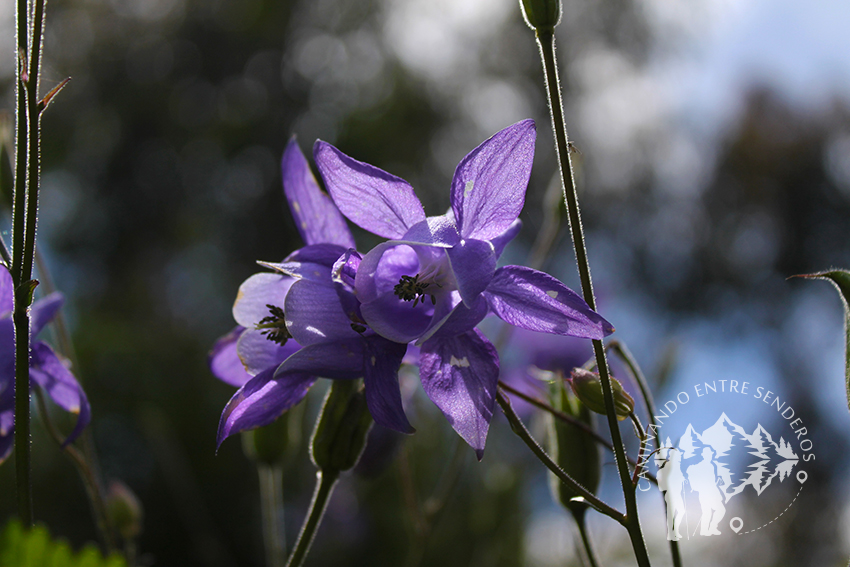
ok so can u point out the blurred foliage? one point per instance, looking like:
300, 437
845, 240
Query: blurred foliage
34, 548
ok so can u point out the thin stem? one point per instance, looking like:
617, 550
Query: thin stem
325, 482
86, 473
520, 429
546, 41
568, 419
626, 356
271, 503
585, 539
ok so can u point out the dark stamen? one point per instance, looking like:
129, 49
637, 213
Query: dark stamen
411, 289
274, 326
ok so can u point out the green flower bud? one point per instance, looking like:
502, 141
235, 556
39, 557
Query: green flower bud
342, 427
575, 451
541, 15
588, 387
124, 510
270, 444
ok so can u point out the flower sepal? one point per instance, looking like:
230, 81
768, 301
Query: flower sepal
587, 386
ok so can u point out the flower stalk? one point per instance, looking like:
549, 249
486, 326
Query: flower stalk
25, 210
546, 42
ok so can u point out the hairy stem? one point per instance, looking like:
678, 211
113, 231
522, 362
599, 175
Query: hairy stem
546, 42
520, 429
325, 482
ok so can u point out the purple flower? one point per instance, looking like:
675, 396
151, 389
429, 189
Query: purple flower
274, 361
46, 369
436, 278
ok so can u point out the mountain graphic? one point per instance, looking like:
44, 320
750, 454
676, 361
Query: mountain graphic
725, 438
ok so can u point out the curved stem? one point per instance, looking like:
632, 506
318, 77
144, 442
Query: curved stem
546, 41
325, 482
87, 474
626, 356
271, 503
520, 429
585, 539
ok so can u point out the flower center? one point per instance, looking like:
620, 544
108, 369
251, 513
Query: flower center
412, 289
274, 326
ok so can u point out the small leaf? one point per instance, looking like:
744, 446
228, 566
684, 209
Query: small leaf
841, 280
42, 104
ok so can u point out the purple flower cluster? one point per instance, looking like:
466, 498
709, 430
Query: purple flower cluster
329, 311
46, 369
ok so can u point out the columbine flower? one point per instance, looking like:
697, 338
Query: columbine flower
275, 362
432, 283
46, 369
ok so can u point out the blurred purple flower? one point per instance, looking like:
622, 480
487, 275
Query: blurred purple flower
46, 369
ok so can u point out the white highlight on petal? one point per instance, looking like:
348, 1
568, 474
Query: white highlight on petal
462, 363
552, 293
468, 187
312, 329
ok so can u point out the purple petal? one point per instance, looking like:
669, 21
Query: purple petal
223, 361
381, 380
504, 239
324, 254
260, 401
343, 274
256, 352
488, 189
339, 360
47, 371
460, 375
381, 268
7, 423
7, 292
314, 313
434, 231
460, 319
301, 270
44, 310
316, 217
371, 198
473, 264
256, 294
7, 355
397, 320
536, 301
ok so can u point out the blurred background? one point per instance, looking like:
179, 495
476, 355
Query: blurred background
714, 162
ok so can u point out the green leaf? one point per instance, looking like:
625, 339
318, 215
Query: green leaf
35, 548
841, 280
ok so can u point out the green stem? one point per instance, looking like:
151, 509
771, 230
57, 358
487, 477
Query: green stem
585, 539
87, 474
520, 429
325, 482
546, 41
271, 503
626, 356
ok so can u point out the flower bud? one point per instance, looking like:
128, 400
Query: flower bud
588, 388
575, 450
342, 427
270, 444
124, 510
541, 15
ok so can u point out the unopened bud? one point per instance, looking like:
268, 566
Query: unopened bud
124, 510
573, 448
588, 387
270, 444
541, 15
342, 427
